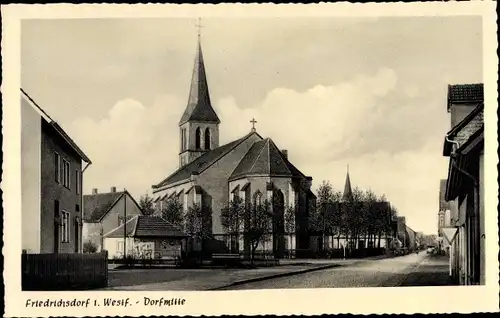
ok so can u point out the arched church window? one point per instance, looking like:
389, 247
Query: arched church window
207, 139
183, 139
257, 198
198, 138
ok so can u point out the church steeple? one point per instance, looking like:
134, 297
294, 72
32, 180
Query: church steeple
199, 106
199, 125
347, 187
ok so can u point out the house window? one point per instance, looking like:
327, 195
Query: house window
207, 139
57, 166
65, 227
119, 246
65, 170
77, 178
198, 138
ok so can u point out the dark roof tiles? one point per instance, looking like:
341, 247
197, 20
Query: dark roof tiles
155, 226
200, 163
465, 93
95, 206
199, 107
264, 158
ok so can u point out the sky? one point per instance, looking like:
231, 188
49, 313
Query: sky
365, 92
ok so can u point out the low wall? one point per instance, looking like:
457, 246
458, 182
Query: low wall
64, 271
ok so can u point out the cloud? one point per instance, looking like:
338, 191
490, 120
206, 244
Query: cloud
317, 121
133, 147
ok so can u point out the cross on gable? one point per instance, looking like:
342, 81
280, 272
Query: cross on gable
253, 121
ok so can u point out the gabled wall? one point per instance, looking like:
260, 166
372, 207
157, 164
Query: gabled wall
30, 178
111, 221
214, 180
94, 232
51, 191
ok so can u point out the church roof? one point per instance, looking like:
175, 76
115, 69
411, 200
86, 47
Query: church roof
199, 107
347, 188
202, 162
264, 157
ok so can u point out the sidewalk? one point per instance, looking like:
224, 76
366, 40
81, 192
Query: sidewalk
217, 279
432, 271
214, 279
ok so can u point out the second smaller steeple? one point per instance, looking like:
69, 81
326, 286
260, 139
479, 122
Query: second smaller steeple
347, 187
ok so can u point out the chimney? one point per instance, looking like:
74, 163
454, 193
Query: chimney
113, 189
285, 153
94, 191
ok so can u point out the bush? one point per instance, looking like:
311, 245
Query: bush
89, 247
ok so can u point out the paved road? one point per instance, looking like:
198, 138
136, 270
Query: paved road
409, 270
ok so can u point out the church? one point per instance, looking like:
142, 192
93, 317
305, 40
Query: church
252, 168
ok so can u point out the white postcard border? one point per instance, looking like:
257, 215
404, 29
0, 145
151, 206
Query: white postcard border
304, 302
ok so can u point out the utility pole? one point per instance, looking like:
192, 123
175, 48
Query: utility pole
124, 225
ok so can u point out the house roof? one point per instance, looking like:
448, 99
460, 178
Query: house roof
57, 128
264, 158
199, 107
147, 226
96, 206
202, 162
455, 178
465, 93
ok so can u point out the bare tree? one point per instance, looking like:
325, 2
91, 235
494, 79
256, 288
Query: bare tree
197, 223
173, 211
146, 205
259, 225
232, 219
253, 221
289, 220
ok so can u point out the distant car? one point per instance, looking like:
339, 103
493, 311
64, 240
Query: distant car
430, 250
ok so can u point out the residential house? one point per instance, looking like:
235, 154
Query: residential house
464, 145
104, 212
146, 237
52, 168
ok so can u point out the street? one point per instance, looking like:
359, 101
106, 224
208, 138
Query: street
410, 270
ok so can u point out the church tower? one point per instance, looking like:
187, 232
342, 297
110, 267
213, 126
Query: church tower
199, 125
347, 188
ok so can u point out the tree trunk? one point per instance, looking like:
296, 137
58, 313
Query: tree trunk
379, 239
252, 254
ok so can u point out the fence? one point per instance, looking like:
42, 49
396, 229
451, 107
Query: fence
335, 253
64, 271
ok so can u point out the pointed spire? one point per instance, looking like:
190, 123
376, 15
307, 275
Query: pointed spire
347, 188
199, 106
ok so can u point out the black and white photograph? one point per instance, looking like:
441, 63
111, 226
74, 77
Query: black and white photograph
215, 152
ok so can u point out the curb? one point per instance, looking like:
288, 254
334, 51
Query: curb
259, 279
